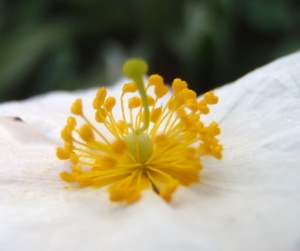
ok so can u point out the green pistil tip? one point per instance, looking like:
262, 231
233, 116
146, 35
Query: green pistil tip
135, 68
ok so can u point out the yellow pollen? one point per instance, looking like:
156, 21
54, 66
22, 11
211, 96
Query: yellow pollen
140, 143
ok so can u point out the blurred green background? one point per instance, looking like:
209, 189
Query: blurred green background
69, 44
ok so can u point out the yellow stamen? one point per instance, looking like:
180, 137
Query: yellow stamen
153, 144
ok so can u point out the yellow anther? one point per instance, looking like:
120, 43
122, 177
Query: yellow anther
194, 117
134, 102
76, 108
168, 190
181, 114
178, 85
74, 159
161, 90
151, 101
197, 163
155, 80
66, 134
119, 146
101, 95
192, 104
179, 100
106, 161
100, 115
199, 126
217, 151
69, 146
77, 169
62, 153
204, 148
84, 181
215, 142
210, 98
68, 177
202, 106
110, 103
71, 122
96, 104
155, 115
129, 87
188, 94
214, 128
86, 133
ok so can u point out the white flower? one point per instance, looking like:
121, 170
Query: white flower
249, 200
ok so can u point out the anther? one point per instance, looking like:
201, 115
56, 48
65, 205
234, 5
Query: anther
76, 108
101, 95
155, 80
210, 98
110, 103
129, 87
134, 102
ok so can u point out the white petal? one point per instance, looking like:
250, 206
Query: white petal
259, 116
49, 112
28, 167
250, 200
39, 213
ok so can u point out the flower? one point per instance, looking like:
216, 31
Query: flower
247, 201
158, 145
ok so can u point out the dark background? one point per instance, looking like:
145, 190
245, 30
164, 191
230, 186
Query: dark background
69, 44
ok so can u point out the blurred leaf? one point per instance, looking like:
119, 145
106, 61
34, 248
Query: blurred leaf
21, 49
268, 16
54, 44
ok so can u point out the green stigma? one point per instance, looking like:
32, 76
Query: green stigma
135, 69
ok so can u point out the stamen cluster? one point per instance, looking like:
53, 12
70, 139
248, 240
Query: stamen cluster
163, 156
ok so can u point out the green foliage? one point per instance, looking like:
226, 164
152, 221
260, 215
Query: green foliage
68, 44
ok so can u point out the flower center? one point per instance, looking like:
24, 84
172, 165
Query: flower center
156, 144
